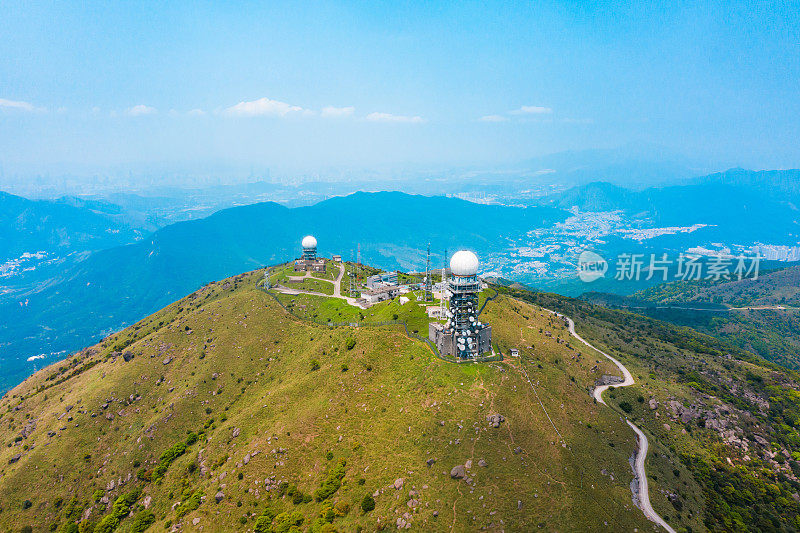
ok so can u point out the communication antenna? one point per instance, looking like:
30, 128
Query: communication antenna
443, 284
428, 288
358, 263
352, 276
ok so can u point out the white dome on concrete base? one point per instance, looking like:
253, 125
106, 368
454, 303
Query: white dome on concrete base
309, 242
464, 263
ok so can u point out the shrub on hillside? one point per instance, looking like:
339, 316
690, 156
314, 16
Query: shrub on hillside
341, 508
314, 365
142, 521
368, 503
284, 522
120, 509
332, 482
191, 504
263, 523
351, 343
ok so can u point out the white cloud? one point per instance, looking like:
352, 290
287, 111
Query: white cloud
18, 104
264, 107
493, 118
338, 112
141, 109
532, 110
388, 117
196, 113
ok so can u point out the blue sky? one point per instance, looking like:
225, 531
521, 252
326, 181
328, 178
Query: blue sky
105, 87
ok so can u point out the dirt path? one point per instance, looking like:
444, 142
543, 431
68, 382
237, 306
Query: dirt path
641, 474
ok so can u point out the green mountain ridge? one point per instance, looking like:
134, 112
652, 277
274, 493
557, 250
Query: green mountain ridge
759, 315
225, 412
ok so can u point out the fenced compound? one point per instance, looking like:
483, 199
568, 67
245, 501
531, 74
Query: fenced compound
498, 356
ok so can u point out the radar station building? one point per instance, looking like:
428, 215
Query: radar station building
462, 335
309, 262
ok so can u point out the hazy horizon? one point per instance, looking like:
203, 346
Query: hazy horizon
287, 90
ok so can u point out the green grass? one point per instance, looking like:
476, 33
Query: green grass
239, 361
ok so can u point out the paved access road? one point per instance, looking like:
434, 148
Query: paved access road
641, 474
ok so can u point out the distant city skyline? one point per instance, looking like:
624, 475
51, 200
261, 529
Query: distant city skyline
118, 89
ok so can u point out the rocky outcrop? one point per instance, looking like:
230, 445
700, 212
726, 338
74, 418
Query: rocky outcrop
495, 420
458, 472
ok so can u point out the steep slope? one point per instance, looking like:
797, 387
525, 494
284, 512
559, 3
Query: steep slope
773, 288
267, 406
759, 315
224, 411
725, 416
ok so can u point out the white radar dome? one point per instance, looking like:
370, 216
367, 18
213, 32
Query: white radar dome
309, 242
464, 263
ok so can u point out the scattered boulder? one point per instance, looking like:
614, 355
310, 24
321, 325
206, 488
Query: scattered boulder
219, 496
127, 356
483, 463
236, 432
761, 440
430, 462
653, 404
468, 464
458, 472
167, 360
495, 420
14, 458
607, 379
398, 483
517, 450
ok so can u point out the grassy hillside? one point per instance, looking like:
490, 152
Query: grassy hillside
225, 396
728, 417
777, 287
225, 412
758, 315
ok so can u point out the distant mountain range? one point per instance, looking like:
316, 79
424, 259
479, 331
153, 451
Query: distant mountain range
116, 286
59, 226
745, 205
116, 279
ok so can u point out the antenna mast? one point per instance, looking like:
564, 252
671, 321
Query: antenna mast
428, 288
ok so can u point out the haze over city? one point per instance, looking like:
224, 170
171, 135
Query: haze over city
142, 89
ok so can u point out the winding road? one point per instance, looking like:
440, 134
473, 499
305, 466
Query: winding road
641, 474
